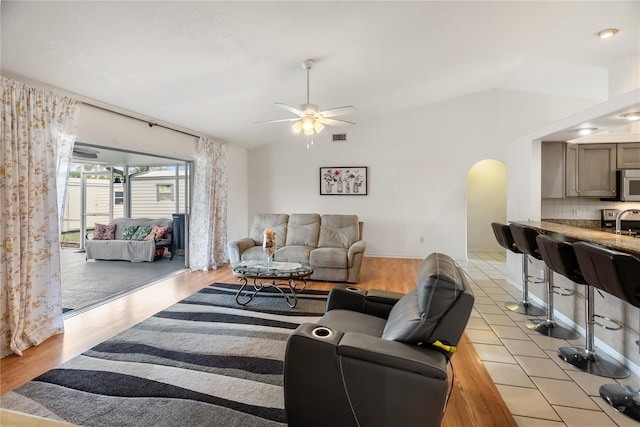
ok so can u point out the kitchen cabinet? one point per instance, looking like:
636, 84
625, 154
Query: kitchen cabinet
578, 170
571, 170
628, 156
552, 170
596, 170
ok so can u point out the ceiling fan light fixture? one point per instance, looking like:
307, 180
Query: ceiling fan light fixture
307, 123
297, 126
310, 120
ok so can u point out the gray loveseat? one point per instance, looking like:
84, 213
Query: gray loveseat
379, 358
330, 244
130, 250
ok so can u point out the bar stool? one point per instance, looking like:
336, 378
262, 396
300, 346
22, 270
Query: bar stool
525, 238
505, 239
562, 259
618, 274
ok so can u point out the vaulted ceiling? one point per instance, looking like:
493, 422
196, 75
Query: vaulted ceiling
215, 67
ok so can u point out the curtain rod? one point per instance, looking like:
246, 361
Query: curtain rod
151, 124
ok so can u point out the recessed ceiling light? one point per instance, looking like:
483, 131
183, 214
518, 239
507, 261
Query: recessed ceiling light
632, 116
606, 33
586, 131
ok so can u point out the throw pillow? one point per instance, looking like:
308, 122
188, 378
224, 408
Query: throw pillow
158, 232
129, 231
104, 232
141, 233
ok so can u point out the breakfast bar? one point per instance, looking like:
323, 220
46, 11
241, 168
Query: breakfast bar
600, 235
614, 314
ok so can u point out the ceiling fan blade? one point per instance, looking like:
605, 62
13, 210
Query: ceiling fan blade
339, 111
293, 119
85, 153
290, 108
334, 122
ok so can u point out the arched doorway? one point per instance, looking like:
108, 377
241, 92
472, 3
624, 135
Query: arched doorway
486, 203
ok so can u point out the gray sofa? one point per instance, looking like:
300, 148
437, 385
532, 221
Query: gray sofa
330, 244
130, 250
378, 358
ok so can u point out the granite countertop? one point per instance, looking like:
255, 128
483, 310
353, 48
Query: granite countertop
602, 236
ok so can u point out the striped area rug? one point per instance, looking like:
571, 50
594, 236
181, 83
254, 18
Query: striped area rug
203, 361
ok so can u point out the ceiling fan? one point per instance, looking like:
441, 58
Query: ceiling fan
309, 119
85, 152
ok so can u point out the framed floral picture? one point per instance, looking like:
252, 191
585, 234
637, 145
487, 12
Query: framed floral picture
343, 181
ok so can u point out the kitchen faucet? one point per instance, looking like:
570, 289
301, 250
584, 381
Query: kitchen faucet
619, 216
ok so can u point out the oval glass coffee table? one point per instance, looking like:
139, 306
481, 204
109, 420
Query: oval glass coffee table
265, 274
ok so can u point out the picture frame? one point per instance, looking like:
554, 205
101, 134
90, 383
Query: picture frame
344, 181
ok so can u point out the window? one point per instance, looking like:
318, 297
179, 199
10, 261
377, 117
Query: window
118, 197
164, 192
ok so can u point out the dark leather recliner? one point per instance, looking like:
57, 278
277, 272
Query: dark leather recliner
379, 358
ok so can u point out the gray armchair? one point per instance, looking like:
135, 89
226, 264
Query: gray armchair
379, 358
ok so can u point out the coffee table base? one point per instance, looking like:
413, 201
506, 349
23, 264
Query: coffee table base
244, 297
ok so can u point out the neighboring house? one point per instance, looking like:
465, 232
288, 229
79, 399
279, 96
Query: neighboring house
154, 194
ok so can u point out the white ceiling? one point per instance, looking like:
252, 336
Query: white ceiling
214, 67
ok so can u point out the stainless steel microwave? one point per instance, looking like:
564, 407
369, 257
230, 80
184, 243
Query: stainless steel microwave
630, 185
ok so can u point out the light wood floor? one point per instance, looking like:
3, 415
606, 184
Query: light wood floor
474, 401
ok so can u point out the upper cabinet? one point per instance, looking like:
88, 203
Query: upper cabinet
571, 171
596, 170
552, 172
629, 156
578, 170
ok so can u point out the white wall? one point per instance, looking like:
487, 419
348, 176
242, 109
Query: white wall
101, 127
111, 130
418, 164
624, 76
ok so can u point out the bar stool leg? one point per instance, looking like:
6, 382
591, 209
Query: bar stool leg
624, 399
524, 306
587, 359
549, 326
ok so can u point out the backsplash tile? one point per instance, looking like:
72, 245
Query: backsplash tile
579, 208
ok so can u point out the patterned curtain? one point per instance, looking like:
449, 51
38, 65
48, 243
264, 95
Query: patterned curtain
208, 222
37, 133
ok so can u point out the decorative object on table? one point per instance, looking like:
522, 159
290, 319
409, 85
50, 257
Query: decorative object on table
269, 244
343, 181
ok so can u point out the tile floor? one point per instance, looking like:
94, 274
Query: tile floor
539, 388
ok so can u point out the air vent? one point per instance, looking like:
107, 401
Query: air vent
339, 137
